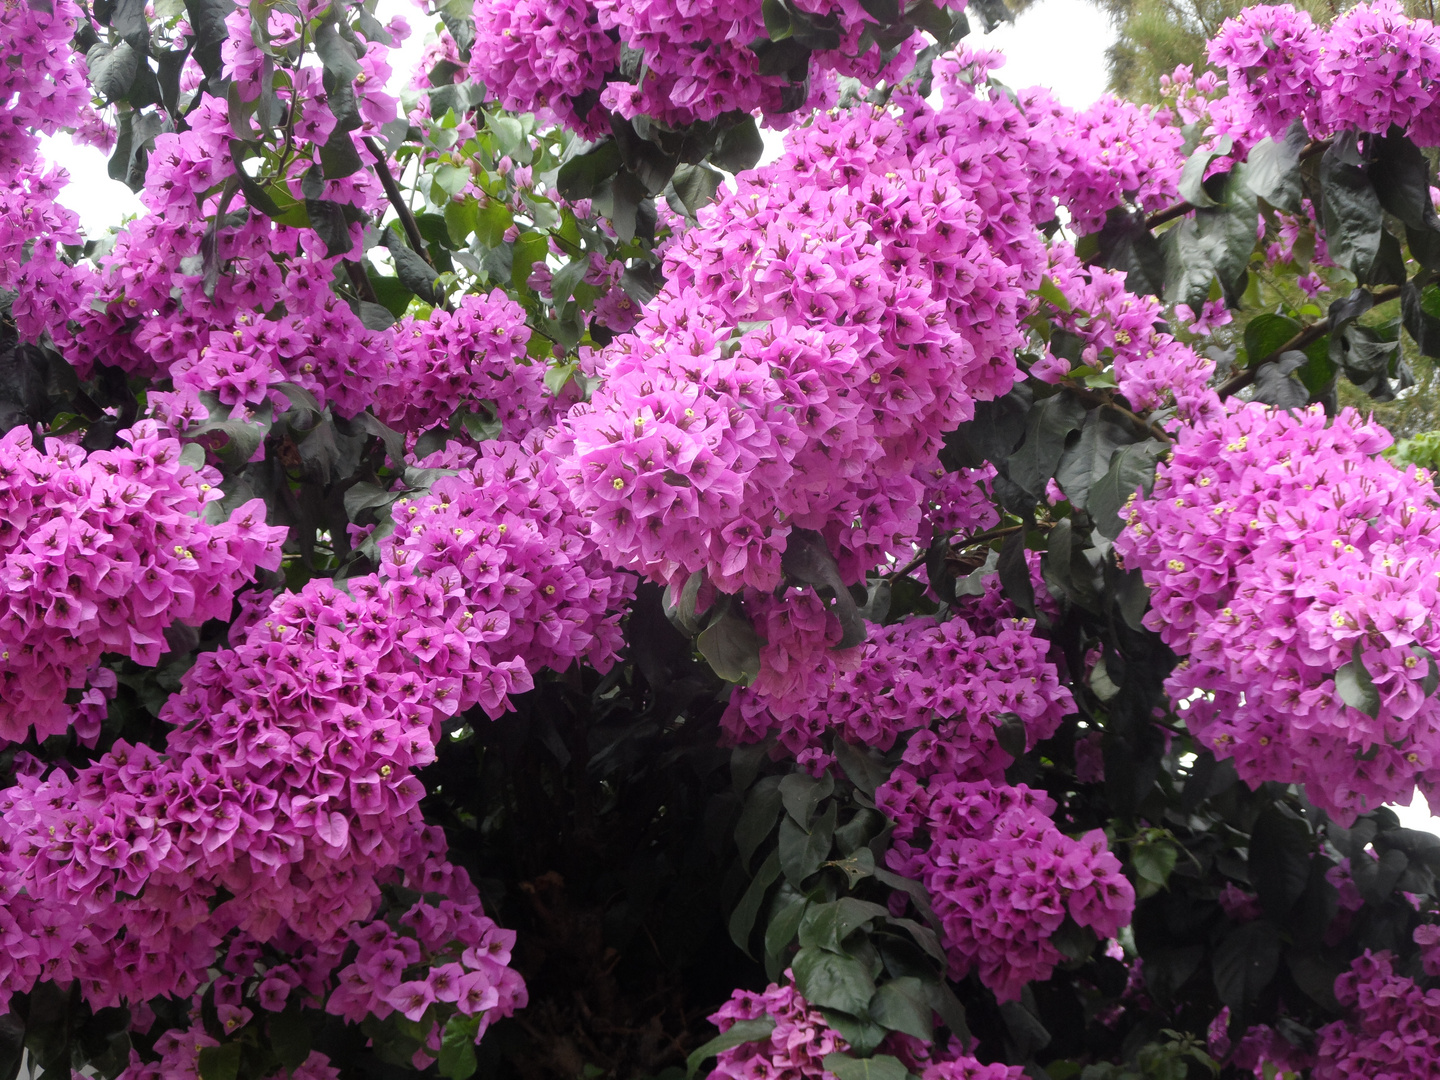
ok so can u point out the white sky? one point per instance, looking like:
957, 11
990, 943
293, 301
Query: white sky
1056, 43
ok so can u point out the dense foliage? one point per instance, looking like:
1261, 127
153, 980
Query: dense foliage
497, 581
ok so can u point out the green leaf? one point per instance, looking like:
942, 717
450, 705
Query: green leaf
832, 981
801, 849
1245, 963
579, 176
694, 186
865, 769
1350, 208
1132, 468
1266, 332
1188, 270
802, 794
739, 147
1280, 854
290, 1033
742, 919
112, 69
757, 817
1420, 312
1401, 176
826, 926
413, 271
1274, 169
564, 280
328, 220
731, 647
1192, 176
1355, 687
901, 1005
742, 1031
219, 1062
1155, 861
1432, 672
879, 1067
462, 217
1047, 427
457, 1047
338, 157
1228, 234
785, 918
12, 1045
1087, 462
1051, 292
337, 54
778, 25
808, 561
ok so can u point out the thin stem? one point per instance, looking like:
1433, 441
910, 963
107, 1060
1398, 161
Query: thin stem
397, 200
1180, 209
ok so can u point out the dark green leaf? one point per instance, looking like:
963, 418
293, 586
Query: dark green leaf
802, 850
1125, 243
778, 26
1087, 461
1192, 176
1420, 310
879, 1067
742, 919
207, 20
338, 157
739, 147
694, 186
562, 285
112, 69
1154, 862
1401, 176
742, 1031
731, 647
1274, 169
785, 918
219, 1062
826, 926
1276, 384
807, 561
1132, 468
337, 54
413, 271
290, 1036
1188, 269
457, 1047
1025, 1029
1014, 571
901, 1005
12, 1045
1227, 234
757, 817
328, 220
1355, 687
1350, 208
1047, 427
832, 981
802, 794
866, 770
993, 433
1280, 856
1266, 332
579, 177
1245, 962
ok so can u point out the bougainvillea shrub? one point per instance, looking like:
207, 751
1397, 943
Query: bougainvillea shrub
495, 580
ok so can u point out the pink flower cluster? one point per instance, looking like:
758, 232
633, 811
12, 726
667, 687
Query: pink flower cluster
545, 55
442, 953
951, 683
1104, 155
1277, 548
471, 358
287, 783
501, 535
43, 80
100, 553
690, 62
1118, 328
1371, 68
1396, 1028
1001, 876
820, 328
797, 1047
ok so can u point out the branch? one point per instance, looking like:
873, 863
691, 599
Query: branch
1104, 401
1307, 336
360, 280
1180, 209
397, 200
